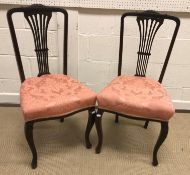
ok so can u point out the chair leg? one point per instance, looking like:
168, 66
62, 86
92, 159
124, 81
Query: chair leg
146, 124
90, 124
29, 137
62, 120
116, 118
98, 122
161, 138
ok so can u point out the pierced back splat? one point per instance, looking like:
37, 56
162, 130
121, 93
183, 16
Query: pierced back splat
39, 22
38, 17
149, 22
148, 27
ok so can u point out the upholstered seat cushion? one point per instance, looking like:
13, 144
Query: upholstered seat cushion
53, 95
136, 96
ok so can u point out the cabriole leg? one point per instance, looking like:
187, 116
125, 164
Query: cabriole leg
29, 137
161, 138
98, 122
90, 123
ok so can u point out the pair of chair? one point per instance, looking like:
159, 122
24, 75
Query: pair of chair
57, 96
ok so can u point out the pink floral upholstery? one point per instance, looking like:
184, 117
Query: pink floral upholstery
53, 95
136, 96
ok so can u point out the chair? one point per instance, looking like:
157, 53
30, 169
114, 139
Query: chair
138, 97
47, 96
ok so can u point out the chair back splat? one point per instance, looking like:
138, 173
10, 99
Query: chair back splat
149, 23
38, 17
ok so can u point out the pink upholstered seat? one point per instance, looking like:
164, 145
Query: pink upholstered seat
136, 96
53, 95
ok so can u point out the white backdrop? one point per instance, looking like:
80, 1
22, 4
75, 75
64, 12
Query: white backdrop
159, 5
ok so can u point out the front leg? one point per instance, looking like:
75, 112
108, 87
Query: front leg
90, 123
29, 137
161, 138
98, 123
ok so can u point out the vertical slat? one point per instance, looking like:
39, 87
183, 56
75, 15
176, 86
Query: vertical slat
147, 32
121, 45
65, 44
41, 34
140, 45
44, 35
46, 52
38, 23
39, 44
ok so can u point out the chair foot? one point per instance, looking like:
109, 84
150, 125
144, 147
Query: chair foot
117, 118
62, 120
146, 124
98, 150
88, 145
34, 164
90, 124
29, 137
161, 139
98, 122
155, 163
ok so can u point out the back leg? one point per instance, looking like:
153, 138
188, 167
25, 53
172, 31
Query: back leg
116, 118
62, 120
146, 124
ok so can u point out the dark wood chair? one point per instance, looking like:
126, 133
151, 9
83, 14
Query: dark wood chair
138, 97
47, 96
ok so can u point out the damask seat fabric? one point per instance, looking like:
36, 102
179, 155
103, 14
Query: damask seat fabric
137, 96
53, 95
